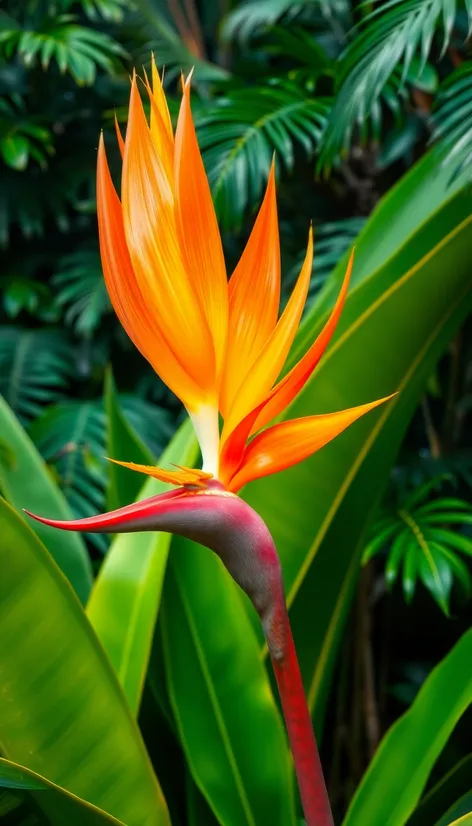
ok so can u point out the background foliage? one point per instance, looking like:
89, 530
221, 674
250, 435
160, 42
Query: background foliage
349, 95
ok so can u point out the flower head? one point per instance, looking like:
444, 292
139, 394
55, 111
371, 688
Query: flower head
219, 344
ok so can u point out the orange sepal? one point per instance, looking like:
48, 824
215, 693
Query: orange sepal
149, 223
197, 228
270, 361
160, 124
254, 296
119, 137
285, 391
183, 476
288, 443
131, 308
161, 100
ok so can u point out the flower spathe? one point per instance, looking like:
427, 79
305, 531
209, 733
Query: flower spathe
219, 344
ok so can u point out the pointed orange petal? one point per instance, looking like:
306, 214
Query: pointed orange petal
160, 125
272, 357
183, 476
254, 296
287, 443
286, 390
198, 232
149, 222
161, 101
126, 298
119, 138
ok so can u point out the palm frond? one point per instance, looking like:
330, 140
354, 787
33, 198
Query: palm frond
81, 290
150, 421
28, 199
422, 536
71, 438
35, 369
76, 49
240, 132
453, 120
392, 36
332, 240
21, 138
252, 16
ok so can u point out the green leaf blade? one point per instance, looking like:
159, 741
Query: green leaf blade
61, 708
26, 483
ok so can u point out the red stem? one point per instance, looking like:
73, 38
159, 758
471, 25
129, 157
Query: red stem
313, 793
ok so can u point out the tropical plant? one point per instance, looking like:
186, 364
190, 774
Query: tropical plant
164, 672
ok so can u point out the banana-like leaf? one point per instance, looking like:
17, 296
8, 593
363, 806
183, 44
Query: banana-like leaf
397, 775
28, 792
466, 820
62, 711
122, 443
26, 483
397, 321
444, 794
125, 598
228, 722
198, 810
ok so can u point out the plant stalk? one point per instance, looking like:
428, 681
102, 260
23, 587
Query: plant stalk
313, 793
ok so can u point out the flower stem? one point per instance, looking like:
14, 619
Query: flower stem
308, 768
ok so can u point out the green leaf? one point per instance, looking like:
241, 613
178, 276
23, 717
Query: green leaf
436, 575
399, 771
31, 791
455, 540
228, 722
381, 56
443, 795
410, 573
378, 542
15, 151
198, 811
81, 291
122, 443
35, 369
70, 436
125, 598
466, 820
395, 557
397, 274
239, 133
452, 120
26, 483
61, 708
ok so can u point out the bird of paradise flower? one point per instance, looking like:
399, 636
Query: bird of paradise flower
220, 346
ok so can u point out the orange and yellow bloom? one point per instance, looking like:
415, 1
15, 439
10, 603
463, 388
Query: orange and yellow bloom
219, 344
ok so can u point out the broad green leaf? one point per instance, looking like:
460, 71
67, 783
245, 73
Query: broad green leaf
122, 443
125, 598
198, 810
466, 820
444, 794
26, 483
396, 777
397, 321
228, 722
30, 791
62, 711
